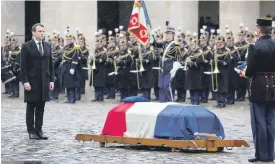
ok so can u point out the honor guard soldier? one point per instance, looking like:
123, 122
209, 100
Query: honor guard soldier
178, 82
158, 44
261, 71
98, 69
135, 49
4, 62
207, 56
111, 66
14, 62
194, 70
146, 77
233, 76
170, 54
273, 28
242, 46
70, 75
57, 59
212, 44
220, 71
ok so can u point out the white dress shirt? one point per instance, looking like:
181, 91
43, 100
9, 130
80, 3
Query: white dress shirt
36, 42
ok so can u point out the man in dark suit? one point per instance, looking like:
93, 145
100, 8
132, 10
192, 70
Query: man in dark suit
38, 79
261, 71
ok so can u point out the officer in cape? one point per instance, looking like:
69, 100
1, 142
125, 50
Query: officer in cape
261, 71
170, 54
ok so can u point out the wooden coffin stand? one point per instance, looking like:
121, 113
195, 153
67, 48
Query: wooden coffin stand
211, 143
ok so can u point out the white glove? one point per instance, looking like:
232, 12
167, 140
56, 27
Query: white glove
72, 71
176, 66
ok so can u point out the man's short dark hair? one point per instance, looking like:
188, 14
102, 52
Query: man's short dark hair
266, 30
36, 25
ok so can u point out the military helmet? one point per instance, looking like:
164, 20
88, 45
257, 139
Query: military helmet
219, 37
68, 34
12, 38
213, 35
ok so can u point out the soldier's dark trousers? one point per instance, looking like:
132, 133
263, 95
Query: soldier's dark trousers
230, 97
34, 110
263, 130
124, 92
111, 92
195, 96
147, 93
15, 88
241, 90
99, 93
165, 90
82, 88
156, 92
77, 94
8, 88
213, 95
133, 92
71, 95
221, 99
181, 92
204, 95
55, 93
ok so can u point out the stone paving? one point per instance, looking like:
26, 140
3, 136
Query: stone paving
62, 122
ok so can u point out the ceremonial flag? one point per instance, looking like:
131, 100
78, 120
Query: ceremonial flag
140, 24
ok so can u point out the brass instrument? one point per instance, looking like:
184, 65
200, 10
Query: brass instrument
117, 59
140, 60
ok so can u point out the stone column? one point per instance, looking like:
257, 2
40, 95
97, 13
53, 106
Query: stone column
60, 14
233, 13
13, 18
178, 13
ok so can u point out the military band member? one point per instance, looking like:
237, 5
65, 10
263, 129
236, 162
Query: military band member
233, 76
212, 45
178, 82
207, 56
242, 46
124, 62
57, 59
14, 62
222, 61
261, 71
146, 77
170, 54
83, 63
70, 74
97, 79
158, 44
4, 61
111, 66
194, 70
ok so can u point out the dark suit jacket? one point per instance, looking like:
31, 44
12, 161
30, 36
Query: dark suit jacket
261, 70
37, 69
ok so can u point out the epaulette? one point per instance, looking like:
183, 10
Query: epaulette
77, 47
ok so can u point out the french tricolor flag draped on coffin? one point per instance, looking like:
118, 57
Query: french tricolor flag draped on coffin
161, 120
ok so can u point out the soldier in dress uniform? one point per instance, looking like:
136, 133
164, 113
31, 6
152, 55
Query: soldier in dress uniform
242, 46
158, 44
212, 45
273, 28
169, 56
222, 61
146, 78
70, 74
4, 62
14, 62
83, 63
207, 56
57, 59
194, 70
178, 82
233, 76
97, 79
261, 71
124, 61
135, 49
111, 66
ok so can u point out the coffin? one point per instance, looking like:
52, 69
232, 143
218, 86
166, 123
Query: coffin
162, 121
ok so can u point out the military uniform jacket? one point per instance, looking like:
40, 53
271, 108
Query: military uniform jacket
57, 59
171, 55
233, 75
208, 56
194, 79
261, 70
36, 69
110, 79
83, 63
224, 62
147, 79
70, 61
179, 79
99, 73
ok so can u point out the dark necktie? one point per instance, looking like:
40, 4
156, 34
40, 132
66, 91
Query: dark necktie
40, 48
